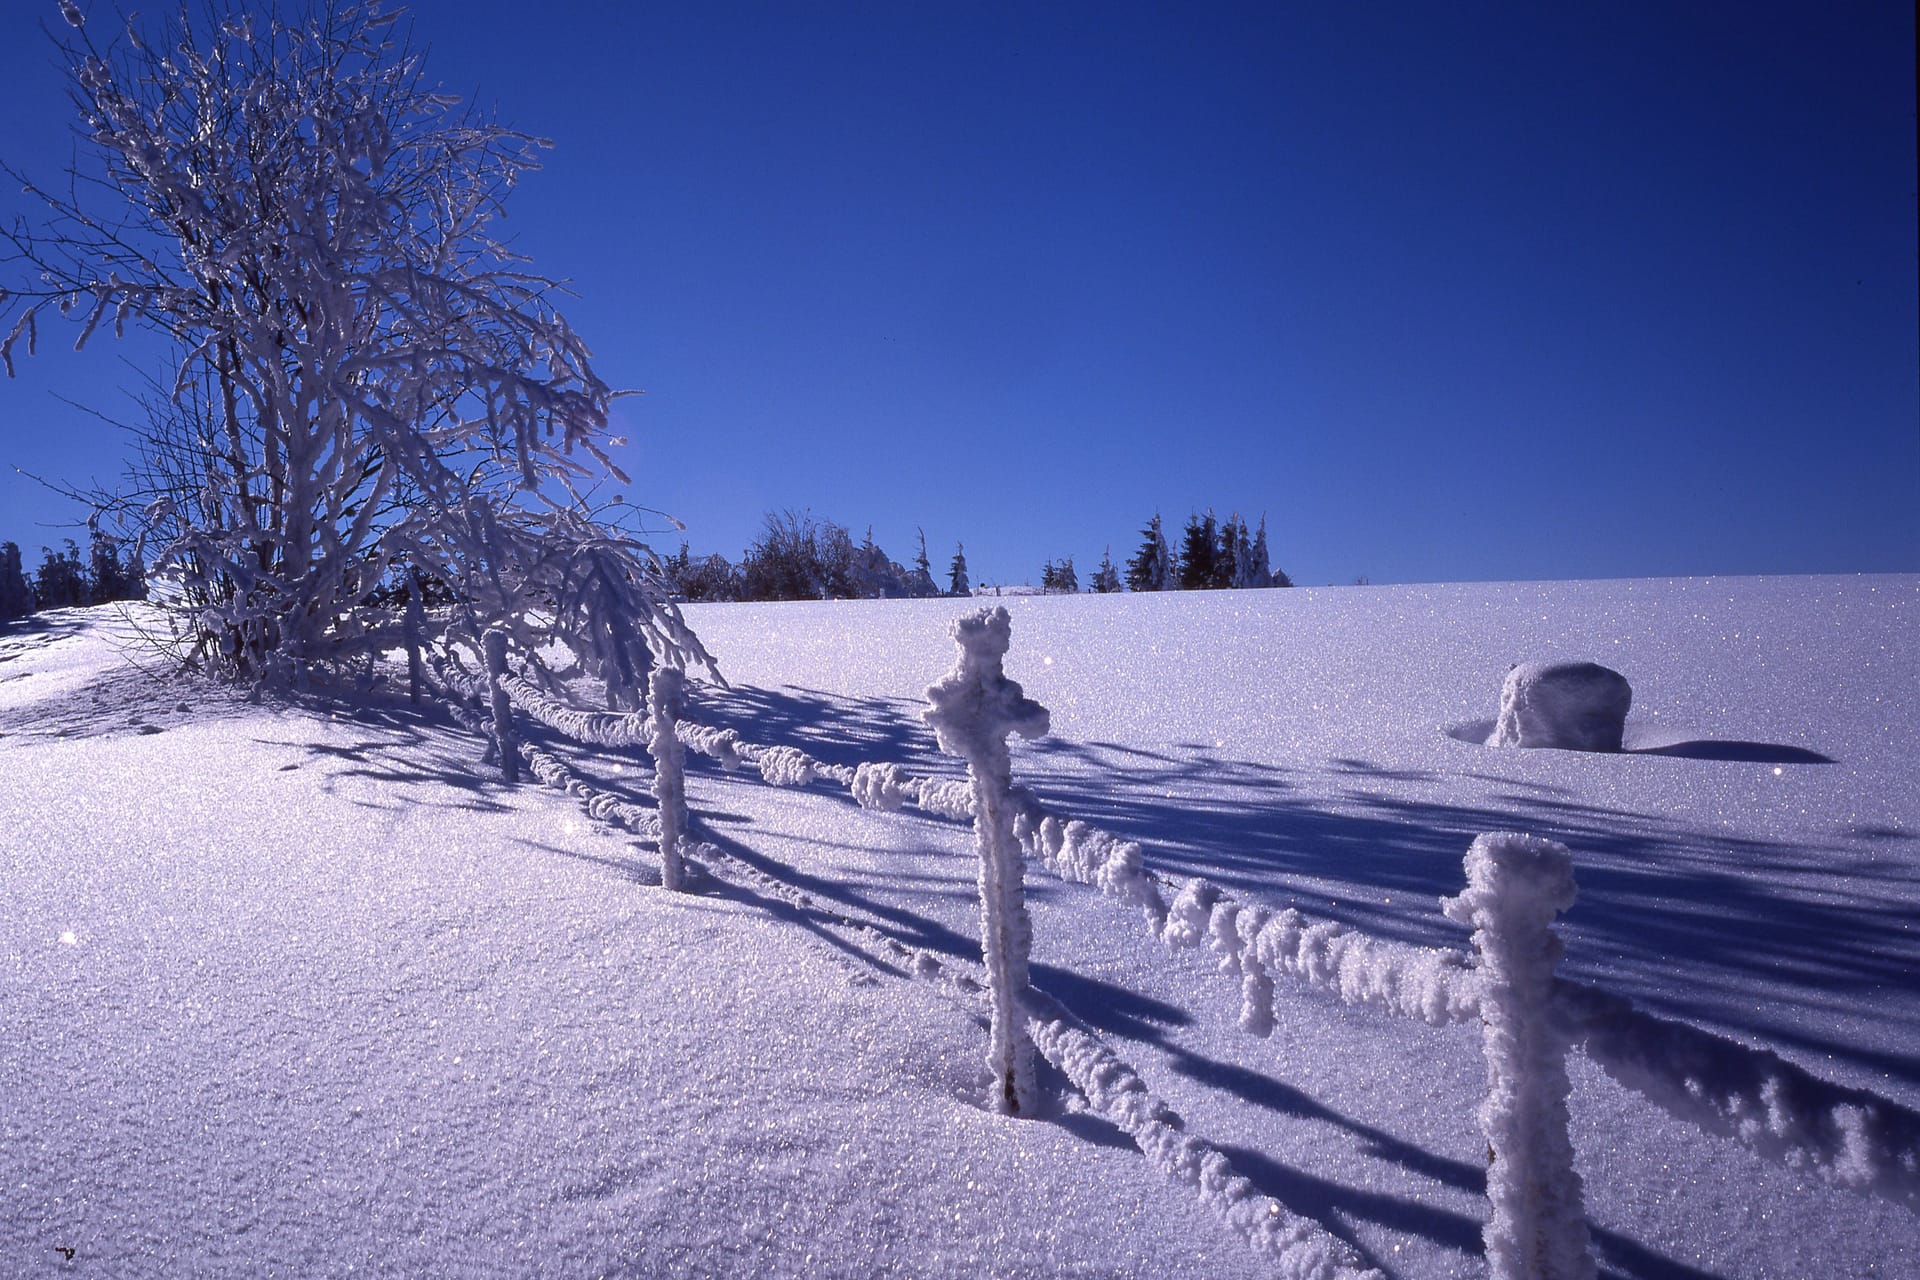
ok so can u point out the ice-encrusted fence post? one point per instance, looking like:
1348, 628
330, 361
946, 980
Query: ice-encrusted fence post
1516, 884
974, 708
494, 643
415, 629
666, 689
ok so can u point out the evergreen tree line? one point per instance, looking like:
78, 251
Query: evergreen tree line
111, 571
799, 557
1213, 555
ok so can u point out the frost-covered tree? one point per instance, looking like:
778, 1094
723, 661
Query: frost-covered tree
920, 582
1106, 579
701, 579
1265, 575
1259, 571
875, 576
1065, 580
1232, 561
367, 381
957, 583
1151, 568
839, 563
61, 581
16, 597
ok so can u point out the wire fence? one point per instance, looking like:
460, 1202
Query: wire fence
1849, 1138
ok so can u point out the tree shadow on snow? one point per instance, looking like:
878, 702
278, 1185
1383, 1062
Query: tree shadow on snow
1274, 837
1354, 841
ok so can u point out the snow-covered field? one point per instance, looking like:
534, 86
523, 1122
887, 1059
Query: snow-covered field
305, 991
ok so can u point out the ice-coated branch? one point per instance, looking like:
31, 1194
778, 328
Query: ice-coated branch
972, 710
666, 691
1516, 885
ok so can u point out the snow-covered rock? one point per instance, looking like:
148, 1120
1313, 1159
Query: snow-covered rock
1581, 706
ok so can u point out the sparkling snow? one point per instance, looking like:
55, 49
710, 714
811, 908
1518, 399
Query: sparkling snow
306, 991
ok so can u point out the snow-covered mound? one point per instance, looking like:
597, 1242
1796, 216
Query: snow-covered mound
1575, 706
304, 990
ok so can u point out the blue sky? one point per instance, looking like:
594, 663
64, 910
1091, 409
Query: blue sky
1446, 292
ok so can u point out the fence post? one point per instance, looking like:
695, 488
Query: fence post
495, 645
666, 687
1516, 884
414, 628
973, 709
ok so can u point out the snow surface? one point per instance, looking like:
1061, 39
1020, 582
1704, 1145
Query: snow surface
305, 990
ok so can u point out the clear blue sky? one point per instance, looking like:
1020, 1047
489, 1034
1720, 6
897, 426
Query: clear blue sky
1446, 291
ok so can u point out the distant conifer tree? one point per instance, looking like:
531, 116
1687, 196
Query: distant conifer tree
957, 583
113, 571
16, 597
1198, 547
1106, 579
1151, 568
61, 581
1259, 572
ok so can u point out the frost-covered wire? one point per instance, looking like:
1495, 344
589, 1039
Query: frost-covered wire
880, 786
1846, 1137
594, 728
720, 745
1300, 1248
1084, 854
1429, 984
607, 806
784, 766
